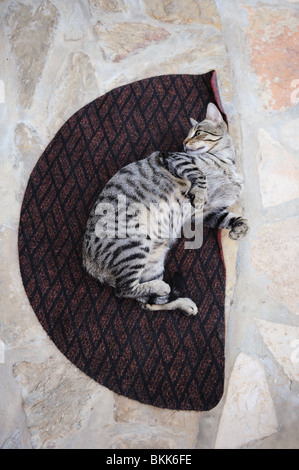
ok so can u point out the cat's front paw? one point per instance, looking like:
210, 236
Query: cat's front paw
239, 228
199, 198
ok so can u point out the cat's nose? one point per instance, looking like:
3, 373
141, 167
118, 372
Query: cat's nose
185, 141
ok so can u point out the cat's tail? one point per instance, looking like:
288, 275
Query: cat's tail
173, 300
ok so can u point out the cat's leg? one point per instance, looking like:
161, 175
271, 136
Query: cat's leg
237, 225
130, 285
154, 269
173, 301
154, 266
187, 306
138, 290
198, 188
181, 166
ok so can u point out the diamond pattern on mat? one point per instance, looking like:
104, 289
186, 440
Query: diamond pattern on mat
163, 359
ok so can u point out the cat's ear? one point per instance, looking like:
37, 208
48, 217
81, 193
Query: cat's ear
193, 122
213, 114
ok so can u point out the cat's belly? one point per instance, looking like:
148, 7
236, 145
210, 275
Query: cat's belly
223, 195
165, 220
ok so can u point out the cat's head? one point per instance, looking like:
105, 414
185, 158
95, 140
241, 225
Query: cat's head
205, 135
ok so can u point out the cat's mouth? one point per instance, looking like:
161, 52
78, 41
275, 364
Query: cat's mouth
198, 150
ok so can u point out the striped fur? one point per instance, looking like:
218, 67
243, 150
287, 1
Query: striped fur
204, 174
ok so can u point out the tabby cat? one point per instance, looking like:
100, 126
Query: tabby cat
124, 253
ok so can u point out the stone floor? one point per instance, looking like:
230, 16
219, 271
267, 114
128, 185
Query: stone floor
57, 56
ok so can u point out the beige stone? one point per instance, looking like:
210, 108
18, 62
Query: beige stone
107, 6
29, 148
249, 412
76, 86
24, 329
272, 37
274, 255
131, 411
13, 442
278, 171
57, 399
27, 140
125, 39
143, 439
30, 34
75, 26
283, 342
290, 133
230, 251
181, 52
184, 11
176, 428
11, 178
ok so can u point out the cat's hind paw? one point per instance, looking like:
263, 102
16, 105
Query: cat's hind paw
159, 287
187, 306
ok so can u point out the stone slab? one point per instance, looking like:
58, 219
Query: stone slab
273, 34
249, 412
283, 342
278, 171
274, 255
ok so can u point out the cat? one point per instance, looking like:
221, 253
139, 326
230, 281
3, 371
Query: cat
204, 177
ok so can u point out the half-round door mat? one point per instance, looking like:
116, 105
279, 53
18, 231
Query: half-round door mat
160, 358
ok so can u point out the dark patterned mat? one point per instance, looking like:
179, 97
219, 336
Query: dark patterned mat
159, 358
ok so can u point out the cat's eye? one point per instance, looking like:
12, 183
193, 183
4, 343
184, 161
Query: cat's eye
197, 132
